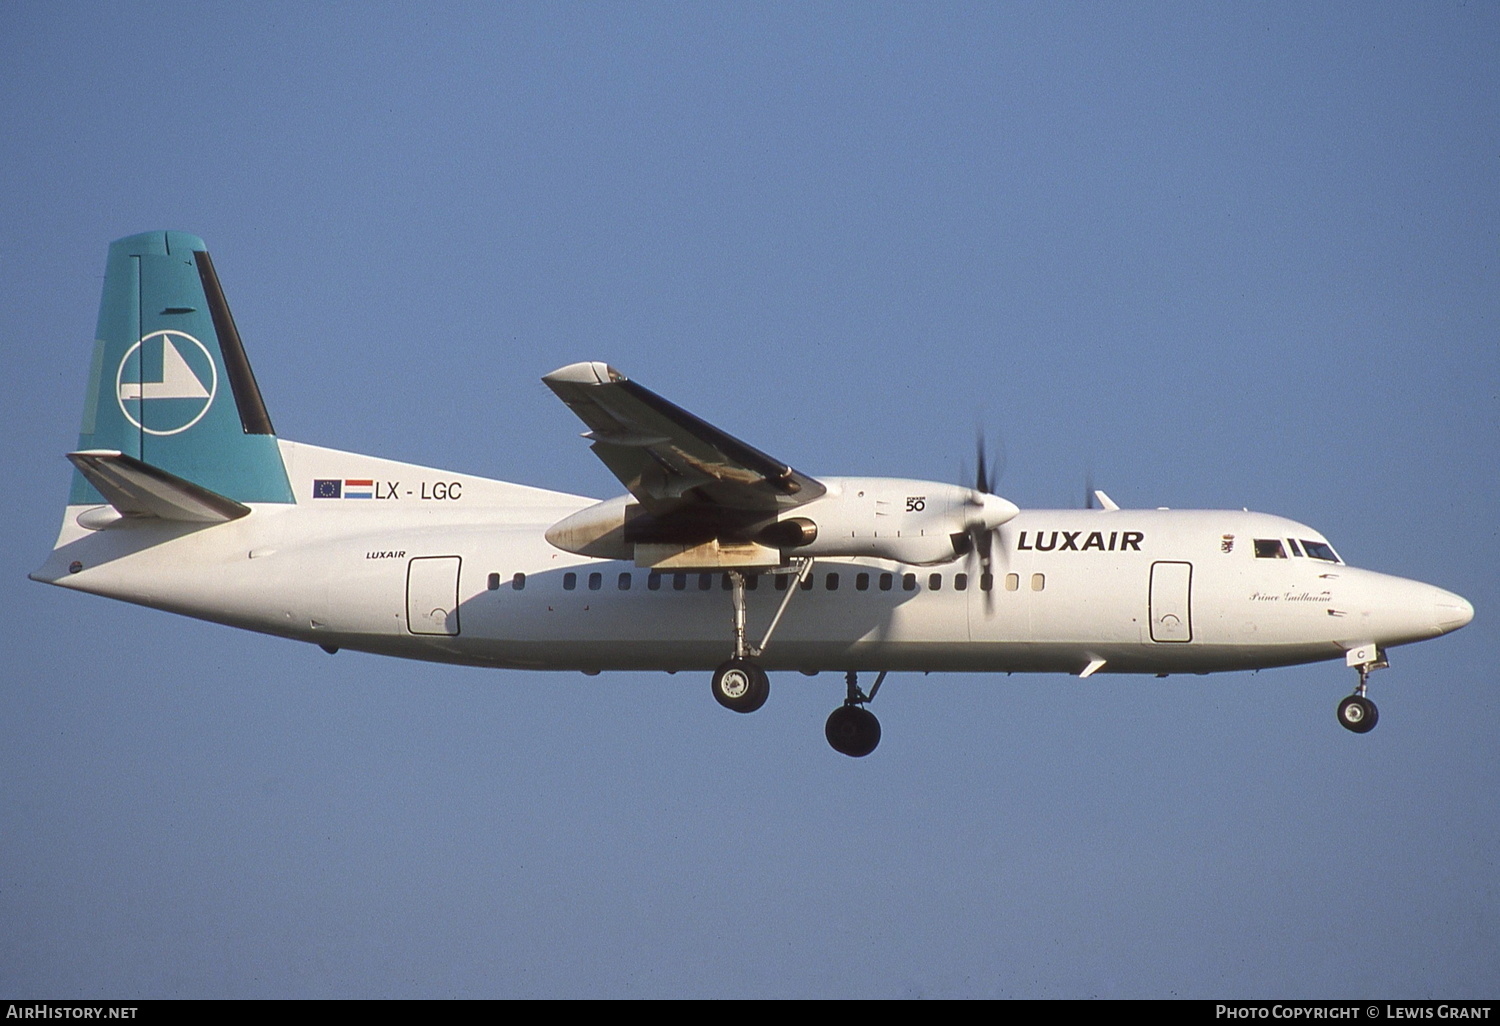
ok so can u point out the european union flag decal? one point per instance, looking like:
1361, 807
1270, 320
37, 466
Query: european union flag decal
328, 489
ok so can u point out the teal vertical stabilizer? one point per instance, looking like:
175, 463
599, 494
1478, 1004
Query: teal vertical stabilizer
169, 384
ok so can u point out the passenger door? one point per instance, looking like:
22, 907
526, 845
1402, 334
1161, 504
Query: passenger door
432, 595
1171, 601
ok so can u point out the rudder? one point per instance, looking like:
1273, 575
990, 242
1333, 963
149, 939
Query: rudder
169, 383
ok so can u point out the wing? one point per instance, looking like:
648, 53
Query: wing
672, 462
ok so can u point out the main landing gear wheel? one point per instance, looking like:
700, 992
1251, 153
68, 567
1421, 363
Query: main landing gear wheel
741, 685
852, 730
1358, 713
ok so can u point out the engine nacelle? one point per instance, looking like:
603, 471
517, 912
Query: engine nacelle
620, 529
597, 530
791, 533
916, 522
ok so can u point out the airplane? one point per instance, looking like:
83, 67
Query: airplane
718, 557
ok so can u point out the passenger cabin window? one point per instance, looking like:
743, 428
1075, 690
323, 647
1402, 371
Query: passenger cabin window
1012, 582
596, 581
570, 581
831, 582
1269, 548
861, 582
679, 582
960, 582
625, 582
1321, 550
1038, 582
518, 582
986, 581
705, 581
934, 582
653, 581
886, 580
494, 582
908, 582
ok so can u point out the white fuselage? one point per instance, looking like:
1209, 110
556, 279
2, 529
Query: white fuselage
424, 564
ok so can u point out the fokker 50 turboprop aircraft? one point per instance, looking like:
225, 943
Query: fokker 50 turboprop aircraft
719, 556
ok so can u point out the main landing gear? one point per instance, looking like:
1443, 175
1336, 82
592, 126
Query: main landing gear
851, 728
742, 685
1358, 713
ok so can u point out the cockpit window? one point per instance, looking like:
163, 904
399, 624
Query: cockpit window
1321, 550
1293, 543
1269, 548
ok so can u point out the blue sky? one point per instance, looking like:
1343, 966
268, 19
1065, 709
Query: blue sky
1216, 255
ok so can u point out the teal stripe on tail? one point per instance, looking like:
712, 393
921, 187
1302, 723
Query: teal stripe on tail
169, 383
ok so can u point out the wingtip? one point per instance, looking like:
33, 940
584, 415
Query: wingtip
585, 373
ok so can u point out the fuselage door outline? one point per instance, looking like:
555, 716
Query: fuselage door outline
432, 595
1171, 602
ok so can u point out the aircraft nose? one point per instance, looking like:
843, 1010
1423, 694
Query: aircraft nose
1451, 611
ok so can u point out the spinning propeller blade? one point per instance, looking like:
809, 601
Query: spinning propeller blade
991, 509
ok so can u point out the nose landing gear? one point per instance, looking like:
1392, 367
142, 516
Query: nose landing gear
1357, 713
852, 729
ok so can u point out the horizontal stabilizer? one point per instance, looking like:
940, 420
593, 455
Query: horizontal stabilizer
138, 489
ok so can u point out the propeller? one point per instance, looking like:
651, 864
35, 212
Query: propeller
988, 510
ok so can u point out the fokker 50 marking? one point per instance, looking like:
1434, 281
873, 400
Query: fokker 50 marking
715, 548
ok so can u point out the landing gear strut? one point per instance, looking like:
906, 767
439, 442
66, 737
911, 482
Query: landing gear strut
741, 684
1358, 713
852, 729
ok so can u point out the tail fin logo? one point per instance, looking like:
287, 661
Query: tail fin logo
179, 398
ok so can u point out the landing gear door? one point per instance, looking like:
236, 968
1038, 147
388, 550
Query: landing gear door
1171, 601
432, 595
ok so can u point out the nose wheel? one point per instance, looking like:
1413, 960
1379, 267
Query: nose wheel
1357, 713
